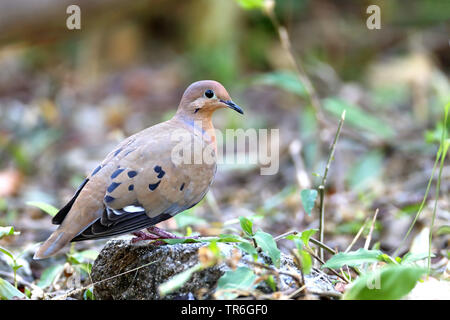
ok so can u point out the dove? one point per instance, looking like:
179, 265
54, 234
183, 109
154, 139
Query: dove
142, 181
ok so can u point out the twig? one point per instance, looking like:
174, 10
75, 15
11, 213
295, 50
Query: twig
64, 296
296, 292
284, 235
322, 185
323, 262
278, 272
315, 241
322, 245
269, 7
357, 236
369, 236
419, 211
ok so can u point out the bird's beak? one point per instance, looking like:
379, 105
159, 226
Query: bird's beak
232, 105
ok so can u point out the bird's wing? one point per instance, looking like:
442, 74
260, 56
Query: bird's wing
136, 186
142, 187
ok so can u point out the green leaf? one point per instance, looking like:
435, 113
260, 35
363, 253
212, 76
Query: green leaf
308, 199
357, 117
9, 292
178, 280
49, 275
305, 260
271, 283
352, 258
48, 208
224, 237
250, 4
303, 255
413, 257
214, 248
285, 80
89, 294
7, 231
445, 229
247, 247
221, 238
242, 278
388, 283
302, 238
187, 240
266, 242
306, 235
246, 225
7, 252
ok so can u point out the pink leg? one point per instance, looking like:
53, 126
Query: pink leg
139, 236
162, 234
156, 234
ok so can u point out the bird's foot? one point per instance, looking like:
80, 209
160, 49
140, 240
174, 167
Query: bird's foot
156, 234
162, 234
140, 236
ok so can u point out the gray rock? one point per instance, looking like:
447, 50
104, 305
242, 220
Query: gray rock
119, 256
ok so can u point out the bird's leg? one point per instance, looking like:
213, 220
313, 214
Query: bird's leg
162, 234
140, 235
156, 234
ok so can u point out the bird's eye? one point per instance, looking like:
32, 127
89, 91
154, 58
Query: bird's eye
209, 93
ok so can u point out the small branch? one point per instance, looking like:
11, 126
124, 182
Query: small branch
296, 64
322, 185
296, 292
64, 296
356, 237
322, 245
323, 262
369, 236
284, 235
278, 272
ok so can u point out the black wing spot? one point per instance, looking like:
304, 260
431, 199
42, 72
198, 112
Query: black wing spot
116, 173
132, 174
109, 199
131, 187
182, 187
160, 171
154, 185
113, 186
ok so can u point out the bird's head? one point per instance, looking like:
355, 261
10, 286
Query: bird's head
202, 98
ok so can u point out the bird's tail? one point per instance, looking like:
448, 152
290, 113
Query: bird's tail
55, 242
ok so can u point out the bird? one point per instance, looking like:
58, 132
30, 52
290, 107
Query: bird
140, 182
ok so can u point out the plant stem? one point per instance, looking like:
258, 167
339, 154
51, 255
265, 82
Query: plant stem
444, 147
323, 183
323, 262
357, 236
369, 236
286, 44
